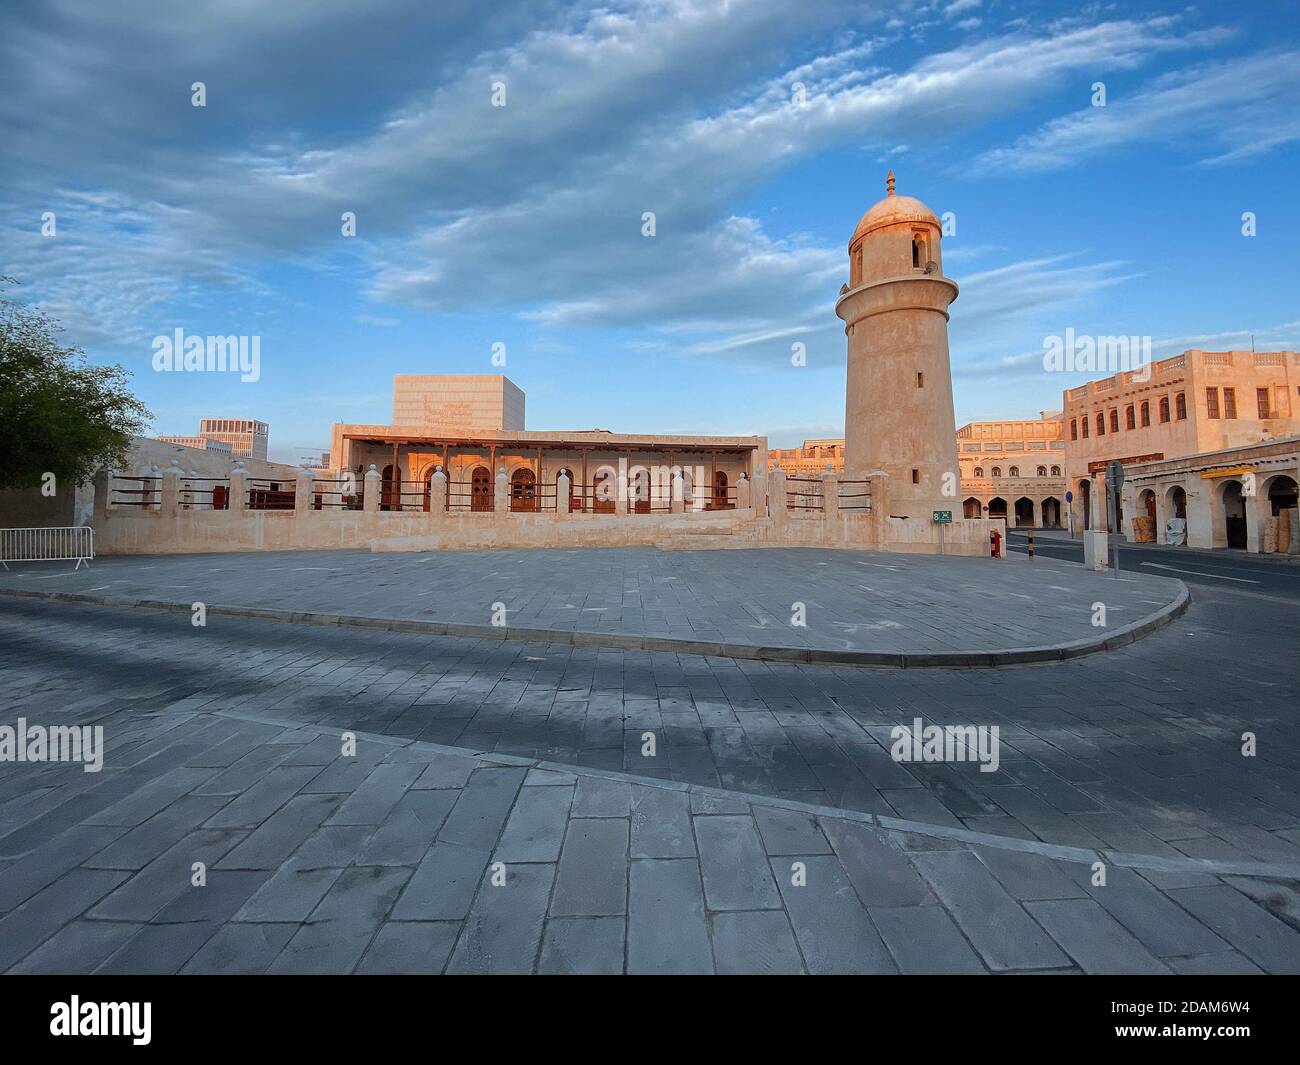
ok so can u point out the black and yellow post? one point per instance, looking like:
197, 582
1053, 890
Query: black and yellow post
1031, 547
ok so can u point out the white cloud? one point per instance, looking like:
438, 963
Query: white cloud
1233, 110
534, 209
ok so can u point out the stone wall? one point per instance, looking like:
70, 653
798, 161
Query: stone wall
170, 527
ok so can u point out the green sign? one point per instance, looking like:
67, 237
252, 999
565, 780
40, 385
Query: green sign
943, 517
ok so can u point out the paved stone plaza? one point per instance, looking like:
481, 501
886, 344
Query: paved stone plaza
408, 858
224, 748
852, 599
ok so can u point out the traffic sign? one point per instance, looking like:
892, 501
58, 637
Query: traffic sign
1069, 497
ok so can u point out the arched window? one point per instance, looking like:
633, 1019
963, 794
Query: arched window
389, 491
997, 471
1130, 419
1146, 413
639, 489
1164, 408
604, 490
1042, 471
1074, 428
1101, 423
979, 471
1180, 406
1056, 471
719, 490
523, 490
481, 490
1114, 420
1014, 471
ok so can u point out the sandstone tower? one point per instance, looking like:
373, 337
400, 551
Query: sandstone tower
898, 413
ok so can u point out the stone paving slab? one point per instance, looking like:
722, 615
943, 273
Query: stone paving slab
1136, 752
528, 880
776, 603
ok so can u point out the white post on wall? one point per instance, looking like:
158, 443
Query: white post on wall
304, 495
678, 501
778, 497
744, 493
624, 485
171, 489
562, 489
502, 492
758, 489
238, 501
373, 488
438, 493
830, 495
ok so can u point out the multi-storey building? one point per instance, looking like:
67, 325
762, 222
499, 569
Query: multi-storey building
1192, 404
457, 401
812, 456
200, 442
1014, 470
245, 437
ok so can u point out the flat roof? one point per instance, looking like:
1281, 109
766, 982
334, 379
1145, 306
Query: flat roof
567, 440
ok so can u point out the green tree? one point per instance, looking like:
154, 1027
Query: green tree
58, 414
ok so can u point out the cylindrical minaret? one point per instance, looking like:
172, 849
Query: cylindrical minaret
898, 414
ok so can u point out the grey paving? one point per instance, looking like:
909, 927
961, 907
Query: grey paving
852, 600
229, 755
1146, 759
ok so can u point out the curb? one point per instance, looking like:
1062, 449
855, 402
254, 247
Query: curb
1085, 855
632, 642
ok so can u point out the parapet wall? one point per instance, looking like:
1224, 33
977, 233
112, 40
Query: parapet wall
170, 517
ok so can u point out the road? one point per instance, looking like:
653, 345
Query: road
1226, 571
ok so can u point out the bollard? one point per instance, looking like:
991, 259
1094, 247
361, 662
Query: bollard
1031, 547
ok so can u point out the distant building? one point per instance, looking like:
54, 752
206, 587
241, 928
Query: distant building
199, 442
243, 436
1196, 403
457, 401
812, 456
1014, 470
472, 427
1008, 469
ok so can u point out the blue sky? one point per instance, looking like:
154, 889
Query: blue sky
522, 224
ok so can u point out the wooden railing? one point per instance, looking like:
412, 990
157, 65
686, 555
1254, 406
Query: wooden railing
146, 495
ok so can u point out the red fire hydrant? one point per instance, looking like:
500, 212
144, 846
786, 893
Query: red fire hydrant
995, 544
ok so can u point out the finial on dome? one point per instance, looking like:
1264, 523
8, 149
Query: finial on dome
889, 184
